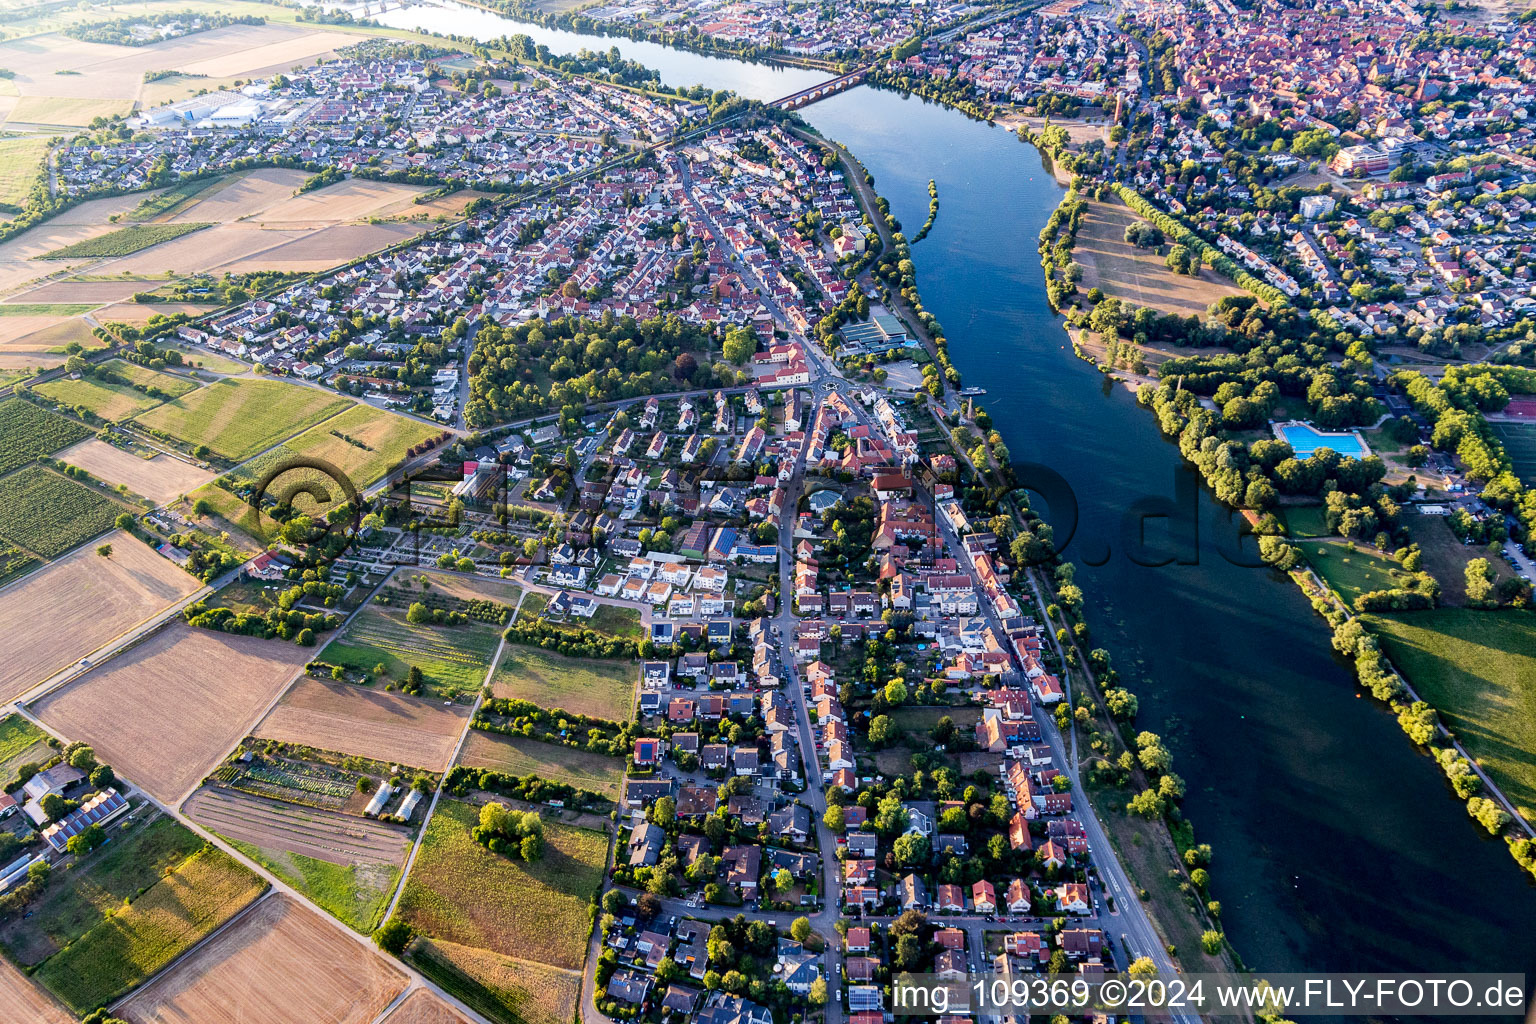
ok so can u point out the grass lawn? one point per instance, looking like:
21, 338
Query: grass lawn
355, 893
462, 892
1479, 669
601, 689
123, 241
78, 900
67, 110
47, 308
451, 657
524, 755
501, 988
112, 402
48, 513
172, 384
210, 361
130, 947
20, 742
237, 419
1519, 440
27, 431
21, 157
1351, 573
1306, 520
617, 620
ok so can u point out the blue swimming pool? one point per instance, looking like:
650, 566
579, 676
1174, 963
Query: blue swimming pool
1306, 439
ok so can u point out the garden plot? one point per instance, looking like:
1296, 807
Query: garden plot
368, 723
280, 962
165, 711
90, 600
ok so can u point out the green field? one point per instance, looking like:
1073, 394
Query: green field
524, 755
451, 657
1519, 440
14, 563
1479, 669
20, 742
1351, 573
237, 419
500, 988
21, 158
139, 940
78, 900
47, 308
28, 431
461, 892
110, 401
617, 620
363, 443
210, 361
601, 689
48, 514
356, 894
123, 241
171, 384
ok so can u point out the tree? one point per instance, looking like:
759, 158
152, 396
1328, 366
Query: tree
1419, 721
393, 936
55, 806
1488, 814
817, 996
739, 345
103, 777
1210, 941
1480, 577
418, 613
881, 730
800, 929
1142, 967
81, 756
834, 818
1147, 803
104, 550
125, 520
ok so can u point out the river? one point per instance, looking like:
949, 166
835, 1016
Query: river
1337, 846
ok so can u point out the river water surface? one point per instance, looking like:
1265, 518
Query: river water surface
1337, 845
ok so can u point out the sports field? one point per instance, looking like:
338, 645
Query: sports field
1519, 440
238, 418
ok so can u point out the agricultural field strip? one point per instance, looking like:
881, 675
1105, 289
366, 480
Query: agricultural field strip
308, 831
404, 640
458, 751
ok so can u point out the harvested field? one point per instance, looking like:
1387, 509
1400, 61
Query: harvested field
17, 266
524, 755
281, 53
461, 892
244, 195
134, 944
499, 987
280, 962
322, 249
422, 1007
369, 723
76, 112
86, 293
1139, 276
237, 418
137, 315
90, 600
601, 689
353, 199
165, 712
160, 479
20, 1000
